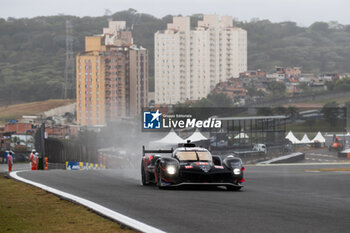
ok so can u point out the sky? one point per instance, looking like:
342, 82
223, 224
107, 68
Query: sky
304, 12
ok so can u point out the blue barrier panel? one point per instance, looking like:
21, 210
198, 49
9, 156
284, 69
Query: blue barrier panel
83, 165
72, 166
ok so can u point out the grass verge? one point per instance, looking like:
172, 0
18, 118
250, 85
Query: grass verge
16, 111
24, 208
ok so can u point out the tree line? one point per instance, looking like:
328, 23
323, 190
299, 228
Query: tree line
32, 50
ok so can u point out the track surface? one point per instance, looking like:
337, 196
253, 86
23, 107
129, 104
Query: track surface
322, 156
275, 199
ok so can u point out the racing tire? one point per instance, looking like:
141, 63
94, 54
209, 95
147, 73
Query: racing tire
159, 179
144, 181
233, 188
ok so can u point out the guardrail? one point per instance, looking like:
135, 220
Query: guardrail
291, 158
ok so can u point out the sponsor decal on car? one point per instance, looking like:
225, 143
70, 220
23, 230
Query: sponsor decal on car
201, 163
219, 167
188, 166
204, 168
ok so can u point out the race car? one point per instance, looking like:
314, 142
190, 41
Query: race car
190, 165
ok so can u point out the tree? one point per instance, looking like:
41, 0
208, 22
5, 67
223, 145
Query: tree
264, 111
347, 106
342, 85
319, 27
32, 50
304, 87
220, 100
330, 85
292, 112
214, 101
280, 110
252, 91
277, 89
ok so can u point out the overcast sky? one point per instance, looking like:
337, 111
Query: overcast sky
304, 12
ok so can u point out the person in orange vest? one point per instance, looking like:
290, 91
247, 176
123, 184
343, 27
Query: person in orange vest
33, 160
10, 160
36, 156
33, 152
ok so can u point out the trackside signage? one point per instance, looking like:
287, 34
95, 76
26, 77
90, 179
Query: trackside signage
157, 120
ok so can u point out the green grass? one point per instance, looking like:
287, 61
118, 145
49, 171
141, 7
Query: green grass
24, 208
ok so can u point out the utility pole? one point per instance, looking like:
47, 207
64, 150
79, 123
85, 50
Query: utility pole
69, 66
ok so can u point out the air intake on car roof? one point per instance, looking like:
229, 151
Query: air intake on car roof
188, 144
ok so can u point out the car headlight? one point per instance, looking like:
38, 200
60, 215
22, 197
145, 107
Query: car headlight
236, 171
171, 170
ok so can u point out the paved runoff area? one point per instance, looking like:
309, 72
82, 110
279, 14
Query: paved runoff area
16, 167
276, 198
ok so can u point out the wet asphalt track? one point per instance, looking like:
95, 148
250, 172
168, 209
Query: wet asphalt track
275, 199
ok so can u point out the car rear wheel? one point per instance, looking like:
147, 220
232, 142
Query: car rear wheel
143, 175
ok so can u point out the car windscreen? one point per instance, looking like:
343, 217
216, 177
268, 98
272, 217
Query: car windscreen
236, 164
194, 156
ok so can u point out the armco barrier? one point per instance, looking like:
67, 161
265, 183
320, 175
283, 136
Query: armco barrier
291, 158
245, 154
56, 166
248, 157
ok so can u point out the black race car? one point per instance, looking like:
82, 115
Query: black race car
190, 165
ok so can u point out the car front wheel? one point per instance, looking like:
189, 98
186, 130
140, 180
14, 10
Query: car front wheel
233, 188
159, 179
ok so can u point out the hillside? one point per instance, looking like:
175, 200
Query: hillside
32, 50
16, 111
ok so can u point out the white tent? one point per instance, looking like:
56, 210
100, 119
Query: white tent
305, 139
241, 135
319, 138
170, 139
290, 136
196, 136
346, 151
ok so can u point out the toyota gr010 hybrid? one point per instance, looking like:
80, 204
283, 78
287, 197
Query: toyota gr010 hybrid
190, 165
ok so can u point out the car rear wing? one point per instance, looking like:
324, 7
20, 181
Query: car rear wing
144, 151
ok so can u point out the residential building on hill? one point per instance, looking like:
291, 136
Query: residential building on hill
190, 62
112, 77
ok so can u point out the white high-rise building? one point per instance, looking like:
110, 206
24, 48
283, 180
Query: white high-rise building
189, 63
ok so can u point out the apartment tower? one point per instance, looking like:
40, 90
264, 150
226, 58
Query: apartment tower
190, 62
112, 77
